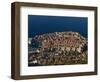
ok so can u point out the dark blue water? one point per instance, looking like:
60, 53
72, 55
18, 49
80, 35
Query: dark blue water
46, 24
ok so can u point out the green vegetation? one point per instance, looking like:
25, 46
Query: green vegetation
64, 58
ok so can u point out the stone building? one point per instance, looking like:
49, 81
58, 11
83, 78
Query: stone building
63, 40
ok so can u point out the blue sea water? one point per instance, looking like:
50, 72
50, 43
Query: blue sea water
38, 24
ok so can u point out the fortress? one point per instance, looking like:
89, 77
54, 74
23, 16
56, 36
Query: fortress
61, 40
